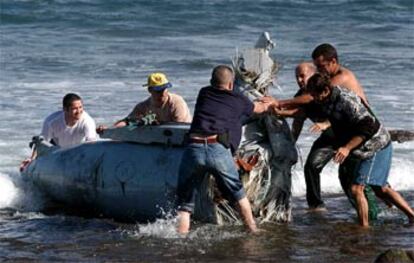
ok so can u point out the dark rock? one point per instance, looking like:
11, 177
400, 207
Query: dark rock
395, 256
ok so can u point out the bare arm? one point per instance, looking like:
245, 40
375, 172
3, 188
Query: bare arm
296, 101
260, 107
344, 151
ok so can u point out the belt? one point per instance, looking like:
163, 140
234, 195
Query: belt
207, 140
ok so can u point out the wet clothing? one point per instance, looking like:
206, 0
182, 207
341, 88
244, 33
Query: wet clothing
216, 112
221, 112
322, 151
349, 117
375, 170
55, 129
175, 109
312, 110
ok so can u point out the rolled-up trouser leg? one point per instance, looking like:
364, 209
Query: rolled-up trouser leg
321, 152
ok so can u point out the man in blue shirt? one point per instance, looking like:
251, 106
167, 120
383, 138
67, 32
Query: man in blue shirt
215, 134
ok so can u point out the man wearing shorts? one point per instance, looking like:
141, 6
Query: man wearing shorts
361, 135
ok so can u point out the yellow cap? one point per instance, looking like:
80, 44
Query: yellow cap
158, 81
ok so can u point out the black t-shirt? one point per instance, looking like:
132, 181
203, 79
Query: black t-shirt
312, 110
220, 111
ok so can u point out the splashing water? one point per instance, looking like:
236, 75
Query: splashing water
9, 192
18, 194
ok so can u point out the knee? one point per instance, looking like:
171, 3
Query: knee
357, 189
311, 165
381, 190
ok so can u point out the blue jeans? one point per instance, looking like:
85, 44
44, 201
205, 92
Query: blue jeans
200, 159
375, 170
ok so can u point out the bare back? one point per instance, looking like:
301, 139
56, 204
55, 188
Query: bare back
346, 79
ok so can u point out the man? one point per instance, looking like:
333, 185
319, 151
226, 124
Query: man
361, 135
67, 127
70, 126
323, 148
166, 106
215, 134
326, 60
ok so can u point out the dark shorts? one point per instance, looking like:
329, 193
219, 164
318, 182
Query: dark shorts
375, 170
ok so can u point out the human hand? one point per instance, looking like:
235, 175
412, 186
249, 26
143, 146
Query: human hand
276, 110
100, 129
269, 100
341, 154
318, 127
24, 164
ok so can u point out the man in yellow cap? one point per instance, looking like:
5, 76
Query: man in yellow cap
166, 106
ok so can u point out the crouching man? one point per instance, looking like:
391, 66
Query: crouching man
363, 136
215, 134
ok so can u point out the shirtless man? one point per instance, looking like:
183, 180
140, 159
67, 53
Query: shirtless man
326, 61
325, 58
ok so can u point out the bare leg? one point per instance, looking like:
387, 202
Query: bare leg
361, 203
396, 199
183, 222
246, 212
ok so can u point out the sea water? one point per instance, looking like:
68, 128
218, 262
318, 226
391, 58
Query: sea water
103, 50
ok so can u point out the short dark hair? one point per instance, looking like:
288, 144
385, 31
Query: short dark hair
326, 50
317, 83
69, 98
220, 75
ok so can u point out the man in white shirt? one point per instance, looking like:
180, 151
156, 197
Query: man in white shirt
67, 127
70, 126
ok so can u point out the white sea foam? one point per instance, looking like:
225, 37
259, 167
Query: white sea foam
166, 228
400, 177
18, 194
9, 192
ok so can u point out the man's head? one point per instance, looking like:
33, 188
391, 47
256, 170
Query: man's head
157, 85
325, 59
222, 77
303, 72
319, 87
72, 107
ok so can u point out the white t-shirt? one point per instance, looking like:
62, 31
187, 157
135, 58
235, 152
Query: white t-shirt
54, 127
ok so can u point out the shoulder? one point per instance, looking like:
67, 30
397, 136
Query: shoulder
300, 92
87, 119
206, 90
177, 102
86, 116
54, 116
176, 98
144, 103
342, 77
348, 100
346, 94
